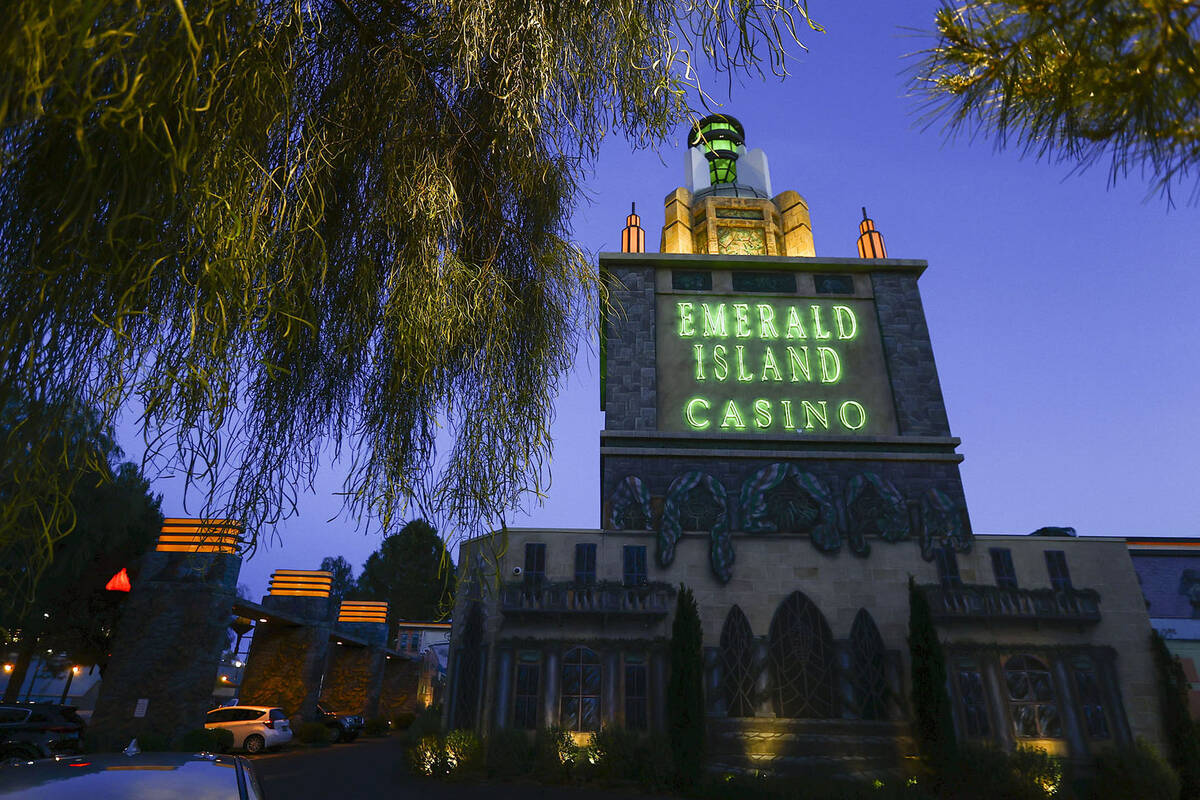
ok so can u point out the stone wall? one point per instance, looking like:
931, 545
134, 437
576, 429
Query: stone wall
350, 680
167, 648
400, 678
285, 667
630, 380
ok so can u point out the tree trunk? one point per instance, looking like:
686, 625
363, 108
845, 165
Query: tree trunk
16, 678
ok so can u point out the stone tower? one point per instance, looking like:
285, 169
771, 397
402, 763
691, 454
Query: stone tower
752, 386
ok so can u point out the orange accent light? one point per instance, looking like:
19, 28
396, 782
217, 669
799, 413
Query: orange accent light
118, 582
363, 611
633, 237
870, 241
300, 583
182, 535
8, 667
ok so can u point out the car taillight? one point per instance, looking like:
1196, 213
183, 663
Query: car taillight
270, 724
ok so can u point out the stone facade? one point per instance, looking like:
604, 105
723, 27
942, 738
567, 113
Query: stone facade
287, 660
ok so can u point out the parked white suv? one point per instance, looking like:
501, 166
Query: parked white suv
254, 728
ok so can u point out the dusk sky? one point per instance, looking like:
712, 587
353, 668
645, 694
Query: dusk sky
1062, 311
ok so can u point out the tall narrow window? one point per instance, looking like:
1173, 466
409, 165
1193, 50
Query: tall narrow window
535, 563
585, 563
414, 641
1002, 568
634, 571
973, 701
525, 706
403, 642
580, 691
947, 567
1056, 563
635, 693
1032, 699
1091, 702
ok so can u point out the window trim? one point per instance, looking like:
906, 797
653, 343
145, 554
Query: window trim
1062, 582
1004, 581
562, 689
532, 575
634, 577
587, 575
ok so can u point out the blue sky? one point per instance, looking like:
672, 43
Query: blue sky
1062, 311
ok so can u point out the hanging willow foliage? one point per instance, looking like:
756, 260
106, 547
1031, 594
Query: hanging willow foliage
294, 228
1074, 80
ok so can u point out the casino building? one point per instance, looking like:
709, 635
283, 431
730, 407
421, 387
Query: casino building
776, 439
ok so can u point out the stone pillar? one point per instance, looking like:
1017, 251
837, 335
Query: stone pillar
287, 661
550, 698
658, 690
993, 681
610, 665
167, 648
677, 225
797, 224
1067, 709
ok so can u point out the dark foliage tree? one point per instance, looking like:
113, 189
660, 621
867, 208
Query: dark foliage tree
411, 570
934, 726
281, 229
116, 521
1183, 744
343, 585
685, 691
1075, 80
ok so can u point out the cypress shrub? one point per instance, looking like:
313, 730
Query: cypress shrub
934, 727
685, 691
1182, 741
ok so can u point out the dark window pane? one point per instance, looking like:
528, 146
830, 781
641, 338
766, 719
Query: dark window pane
527, 697
947, 566
970, 692
634, 557
570, 713
591, 679
571, 683
1002, 568
1032, 699
764, 282
687, 281
739, 213
635, 696
1090, 700
535, 562
580, 691
1056, 564
585, 563
834, 284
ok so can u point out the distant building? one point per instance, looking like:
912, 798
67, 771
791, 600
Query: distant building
1169, 572
414, 637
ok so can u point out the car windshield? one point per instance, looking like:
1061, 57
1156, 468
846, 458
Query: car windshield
161, 776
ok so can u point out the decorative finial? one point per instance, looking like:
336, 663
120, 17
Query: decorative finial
720, 135
633, 237
870, 241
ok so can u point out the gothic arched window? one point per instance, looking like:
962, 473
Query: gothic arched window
1032, 699
581, 691
738, 673
802, 662
867, 667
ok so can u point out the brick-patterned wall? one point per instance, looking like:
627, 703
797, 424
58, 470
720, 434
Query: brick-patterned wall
630, 384
400, 677
284, 666
348, 679
920, 409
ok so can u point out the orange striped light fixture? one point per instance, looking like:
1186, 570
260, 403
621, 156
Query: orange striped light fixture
633, 237
180, 535
300, 583
870, 241
363, 611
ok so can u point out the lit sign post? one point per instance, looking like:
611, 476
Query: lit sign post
737, 364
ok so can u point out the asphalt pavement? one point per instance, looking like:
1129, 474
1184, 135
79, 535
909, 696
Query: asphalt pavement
369, 768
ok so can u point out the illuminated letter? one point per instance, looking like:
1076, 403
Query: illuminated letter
687, 326
769, 364
810, 411
858, 409
844, 317
714, 321
699, 349
741, 320
766, 322
762, 413
787, 414
731, 414
795, 329
720, 366
743, 375
831, 365
818, 331
794, 359
689, 413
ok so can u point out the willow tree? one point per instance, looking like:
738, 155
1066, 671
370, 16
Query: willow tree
1073, 80
281, 230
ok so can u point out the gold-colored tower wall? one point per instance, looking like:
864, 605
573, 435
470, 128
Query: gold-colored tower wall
738, 226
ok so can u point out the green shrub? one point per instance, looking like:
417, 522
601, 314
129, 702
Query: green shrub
1137, 771
685, 690
1183, 743
624, 755
509, 754
464, 752
205, 740
428, 721
312, 733
988, 772
377, 726
554, 752
403, 720
933, 725
427, 756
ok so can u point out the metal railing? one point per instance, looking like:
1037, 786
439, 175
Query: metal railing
982, 602
595, 598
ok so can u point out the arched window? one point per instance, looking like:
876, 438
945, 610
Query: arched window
1091, 702
738, 673
580, 691
802, 666
867, 673
1032, 699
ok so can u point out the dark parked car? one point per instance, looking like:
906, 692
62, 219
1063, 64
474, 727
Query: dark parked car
342, 727
39, 730
162, 776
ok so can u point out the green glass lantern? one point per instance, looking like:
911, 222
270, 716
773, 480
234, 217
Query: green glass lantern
720, 135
